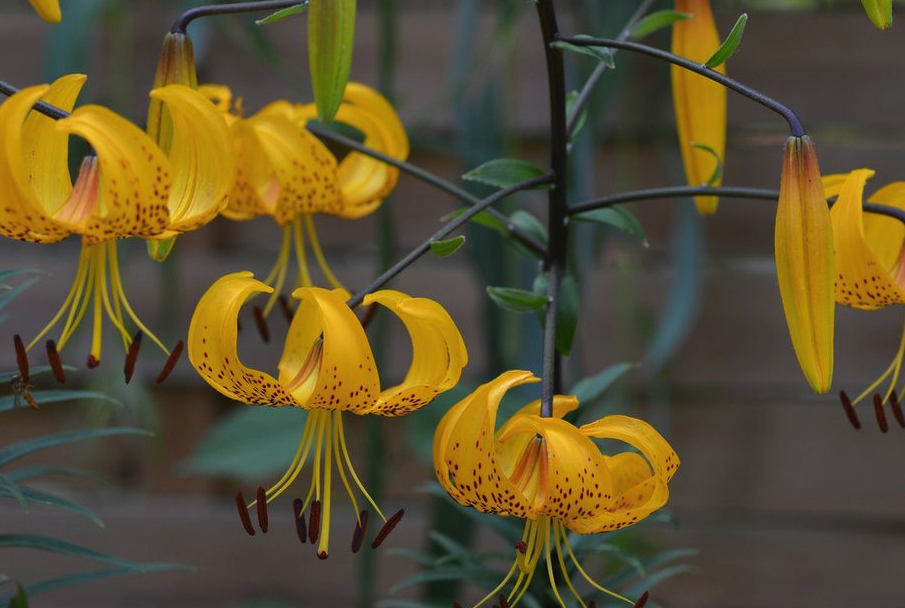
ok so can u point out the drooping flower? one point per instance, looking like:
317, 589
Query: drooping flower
804, 262
550, 473
326, 368
126, 187
49, 10
286, 173
699, 102
870, 263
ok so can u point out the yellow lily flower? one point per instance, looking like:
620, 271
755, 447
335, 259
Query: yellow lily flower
550, 473
700, 103
126, 187
285, 172
49, 10
326, 368
870, 262
804, 262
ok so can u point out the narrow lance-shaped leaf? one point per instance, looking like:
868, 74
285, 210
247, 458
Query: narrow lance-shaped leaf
617, 217
448, 247
656, 21
283, 14
717, 174
730, 44
331, 37
503, 172
24, 448
517, 300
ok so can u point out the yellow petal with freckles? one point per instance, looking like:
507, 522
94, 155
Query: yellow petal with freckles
346, 377
48, 10
134, 178
438, 353
464, 453
201, 158
861, 281
804, 262
699, 102
20, 216
212, 348
885, 234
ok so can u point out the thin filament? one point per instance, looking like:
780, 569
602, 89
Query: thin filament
342, 441
324, 545
550, 566
557, 531
319, 253
80, 307
115, 315
337, 422
565, 539
75, 292
97, 330
118, 286
894, 368
304, 278
280, 268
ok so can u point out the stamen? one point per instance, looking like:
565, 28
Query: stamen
642, 600
21, 357
896, 409
262, 510
881, 413
322, 555
172, 360
299, 517
261, 322
284, 306
315, 522
522, 547
243, 514
387, 528
92, 362
849, 410
132, 356
361, 527
504, 603
56, 364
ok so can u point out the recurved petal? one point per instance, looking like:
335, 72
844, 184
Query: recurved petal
134, 178
213, 334
885, 234
327, 362
465, 458
20, 216
861, 281
562, 405
201, 158
804, 262
699, 102
438, 352
49, 10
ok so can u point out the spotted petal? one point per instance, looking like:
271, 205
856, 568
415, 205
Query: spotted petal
886, 235
212, 344
438, 353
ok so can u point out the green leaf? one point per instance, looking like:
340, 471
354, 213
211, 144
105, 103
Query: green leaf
40, 471
448, 247
331, 37
15, 272
248, 443
517, 300
35, 371
656, 21
528, 223
718, 170
482, 218
599, 53
590, 388
566, 314
62, 547
24, 448
9, 488
571, 99
96, 575
8, 402
503, 172
40, 497
19, 600
11, 294
730, 44
616, 217
283, 14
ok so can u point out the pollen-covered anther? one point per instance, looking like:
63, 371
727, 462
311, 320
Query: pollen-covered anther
642, 600
387, 528
261, 506
881, 413
314, 523
132, 356
522, 547
849, 410
299, 517
896, 408
92, 362
244, 516
261, 323
56, 364
504, 603
361, 527
172, 360
21, 357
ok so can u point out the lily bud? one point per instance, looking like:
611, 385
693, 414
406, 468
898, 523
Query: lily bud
879, 11
331, 36
804, 262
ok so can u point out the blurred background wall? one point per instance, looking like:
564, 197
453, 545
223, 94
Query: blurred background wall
785, 502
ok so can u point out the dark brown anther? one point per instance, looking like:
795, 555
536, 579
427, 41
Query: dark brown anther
881, 413
322, 555
300, 528
132, 356
287, 310
387, 528
522, 547
896, 409
642, 600
172, 360
243, 514
21, 357
504, 603
262, 509
361, 527
849, 410
91, 362
314, 523
56, 364
369, 315
261, 322
592, 604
